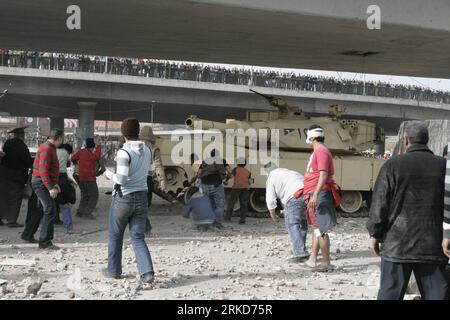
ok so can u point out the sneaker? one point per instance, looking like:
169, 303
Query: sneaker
297, 259
88, 217
69, 230
14, 225
32, 240
50, 247
203, 228
148, 277
241, 221
106, 274
218, 226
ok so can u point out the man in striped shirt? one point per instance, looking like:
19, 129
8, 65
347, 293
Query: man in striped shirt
446, 240
45, 184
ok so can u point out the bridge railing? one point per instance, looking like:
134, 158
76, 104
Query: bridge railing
195, 72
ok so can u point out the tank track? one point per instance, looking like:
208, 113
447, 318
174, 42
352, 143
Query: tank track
362, 213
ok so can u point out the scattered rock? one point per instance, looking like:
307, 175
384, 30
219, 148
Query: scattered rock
32, 286
18, 262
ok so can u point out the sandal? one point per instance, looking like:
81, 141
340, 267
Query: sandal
324, 268
309, 265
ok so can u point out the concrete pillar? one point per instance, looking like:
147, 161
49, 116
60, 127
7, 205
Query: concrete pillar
379, 148
56, 123
86, 122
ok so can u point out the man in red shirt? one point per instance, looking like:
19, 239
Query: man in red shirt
239, 191
45, 184
87, 159
318, 188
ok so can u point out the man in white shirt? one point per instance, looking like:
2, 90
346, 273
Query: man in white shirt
282, 184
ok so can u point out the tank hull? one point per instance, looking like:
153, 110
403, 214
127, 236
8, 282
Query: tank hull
355, 174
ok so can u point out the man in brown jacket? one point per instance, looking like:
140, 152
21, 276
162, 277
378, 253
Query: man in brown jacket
156, 171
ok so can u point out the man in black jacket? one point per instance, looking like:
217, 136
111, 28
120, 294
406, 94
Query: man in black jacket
406, 219
14, 169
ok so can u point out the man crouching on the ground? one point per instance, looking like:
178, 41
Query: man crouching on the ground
203, 215
129, 204
283, 184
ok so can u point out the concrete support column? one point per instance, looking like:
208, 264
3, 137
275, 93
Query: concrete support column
56, 123
86, 122
379, 148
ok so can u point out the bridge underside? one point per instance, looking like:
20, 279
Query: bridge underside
316, 34
117, 110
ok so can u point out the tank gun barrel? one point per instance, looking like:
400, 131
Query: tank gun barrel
279, 103
265, 96
193, 122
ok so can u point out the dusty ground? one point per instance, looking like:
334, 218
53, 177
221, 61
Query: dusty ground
239, 262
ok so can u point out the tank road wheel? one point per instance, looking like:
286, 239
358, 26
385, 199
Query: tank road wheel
351, 201
258, 200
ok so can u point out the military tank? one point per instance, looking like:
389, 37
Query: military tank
346, 138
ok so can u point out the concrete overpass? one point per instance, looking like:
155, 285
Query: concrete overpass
57, 94
318, 34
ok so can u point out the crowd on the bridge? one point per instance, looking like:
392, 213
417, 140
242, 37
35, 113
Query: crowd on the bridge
216, 74
411, 188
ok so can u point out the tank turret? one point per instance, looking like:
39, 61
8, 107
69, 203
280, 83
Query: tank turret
341, 135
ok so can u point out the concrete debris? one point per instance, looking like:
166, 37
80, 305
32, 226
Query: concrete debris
18, 262
413, 288
32, 286
248, 262
61, 266
412, 297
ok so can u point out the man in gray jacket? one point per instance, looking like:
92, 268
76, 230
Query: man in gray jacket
406, 219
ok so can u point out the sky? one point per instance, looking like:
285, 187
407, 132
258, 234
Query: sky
433, 83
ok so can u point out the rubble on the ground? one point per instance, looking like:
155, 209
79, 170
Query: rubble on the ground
240, 262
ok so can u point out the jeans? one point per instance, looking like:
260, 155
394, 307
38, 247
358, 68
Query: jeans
89, 197
297, 225
67, 216
131, 209
49, 213
217, 196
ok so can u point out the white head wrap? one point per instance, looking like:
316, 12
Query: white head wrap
314, 133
